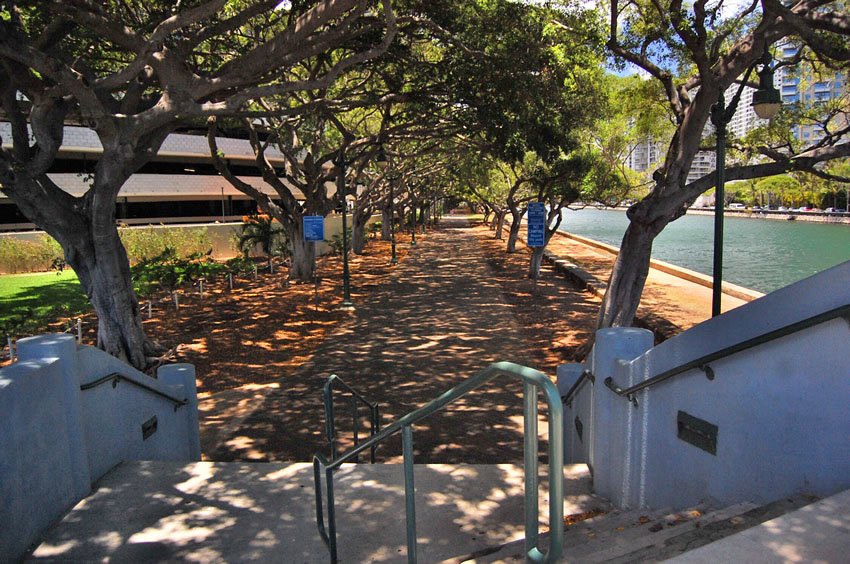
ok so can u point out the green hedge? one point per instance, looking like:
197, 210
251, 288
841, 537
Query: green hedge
20, 255
144, 243
23, 255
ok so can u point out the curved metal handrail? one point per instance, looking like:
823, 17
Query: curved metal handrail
531, 379
115, 377
702, 363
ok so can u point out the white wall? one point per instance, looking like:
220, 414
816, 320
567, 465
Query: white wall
57, 440
781, 408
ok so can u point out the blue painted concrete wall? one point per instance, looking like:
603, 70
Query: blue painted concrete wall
56, 440
780, 408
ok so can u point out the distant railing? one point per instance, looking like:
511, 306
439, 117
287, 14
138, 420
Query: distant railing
532, 380
330, 421
702, 363
115, 377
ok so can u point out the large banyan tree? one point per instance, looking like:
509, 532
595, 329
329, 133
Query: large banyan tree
133, 71
696, 51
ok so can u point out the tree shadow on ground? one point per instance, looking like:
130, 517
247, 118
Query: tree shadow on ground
165, 511
441, 316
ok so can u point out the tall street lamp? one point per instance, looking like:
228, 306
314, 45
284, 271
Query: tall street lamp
766, 103
413, 222
384, 163
347, 304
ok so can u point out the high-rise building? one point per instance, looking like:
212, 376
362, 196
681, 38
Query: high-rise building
793, 87
645, 155
798, 86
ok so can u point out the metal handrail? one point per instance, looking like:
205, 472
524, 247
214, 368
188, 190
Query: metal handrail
702, 363
531, 379
330, 421
585, 375
115, 377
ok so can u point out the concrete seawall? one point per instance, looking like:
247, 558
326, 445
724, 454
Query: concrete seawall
674, 298
739, 292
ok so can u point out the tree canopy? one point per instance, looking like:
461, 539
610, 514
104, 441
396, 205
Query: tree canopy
695, 52
133, 72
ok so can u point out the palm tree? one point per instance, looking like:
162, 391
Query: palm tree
261, 230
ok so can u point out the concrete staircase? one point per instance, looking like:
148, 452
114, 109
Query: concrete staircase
649, 536
236, 512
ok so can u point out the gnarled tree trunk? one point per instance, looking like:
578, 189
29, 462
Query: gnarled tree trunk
101, 264
303, 260
535, 263
85, 228
358, 232
500, 223
513, 233
628, 276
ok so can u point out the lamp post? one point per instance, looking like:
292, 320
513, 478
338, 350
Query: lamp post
346, 304
766, 103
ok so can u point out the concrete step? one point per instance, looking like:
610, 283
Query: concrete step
234, 512
818, 532
653, 536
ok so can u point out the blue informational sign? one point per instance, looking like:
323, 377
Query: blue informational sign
536, 224
314, 228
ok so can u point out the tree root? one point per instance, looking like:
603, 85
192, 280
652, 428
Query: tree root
152, 363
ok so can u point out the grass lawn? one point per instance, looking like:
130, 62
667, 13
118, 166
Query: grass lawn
28, 302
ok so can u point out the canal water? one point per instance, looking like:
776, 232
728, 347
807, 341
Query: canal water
760, 254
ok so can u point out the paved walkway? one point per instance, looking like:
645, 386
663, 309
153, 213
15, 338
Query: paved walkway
443, 314
153, 512
438, 320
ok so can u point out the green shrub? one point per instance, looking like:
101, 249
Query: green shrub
263, 231
20, 255
150, 242
239, 265
336, 243
168, 271
373, 229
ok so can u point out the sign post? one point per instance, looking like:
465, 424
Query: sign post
536, 224
314, 228
536, 229
314, 231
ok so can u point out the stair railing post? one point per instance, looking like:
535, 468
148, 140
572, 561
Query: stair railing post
375, 429
354, 415
529, 397
409, 492
330, 424
329, 478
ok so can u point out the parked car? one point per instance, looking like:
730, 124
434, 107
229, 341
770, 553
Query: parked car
737, 206
782, 209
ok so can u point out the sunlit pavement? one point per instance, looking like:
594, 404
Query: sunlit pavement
237, 512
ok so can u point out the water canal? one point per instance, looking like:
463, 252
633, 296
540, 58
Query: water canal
760, 254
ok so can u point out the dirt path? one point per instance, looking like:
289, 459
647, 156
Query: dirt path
454, 305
